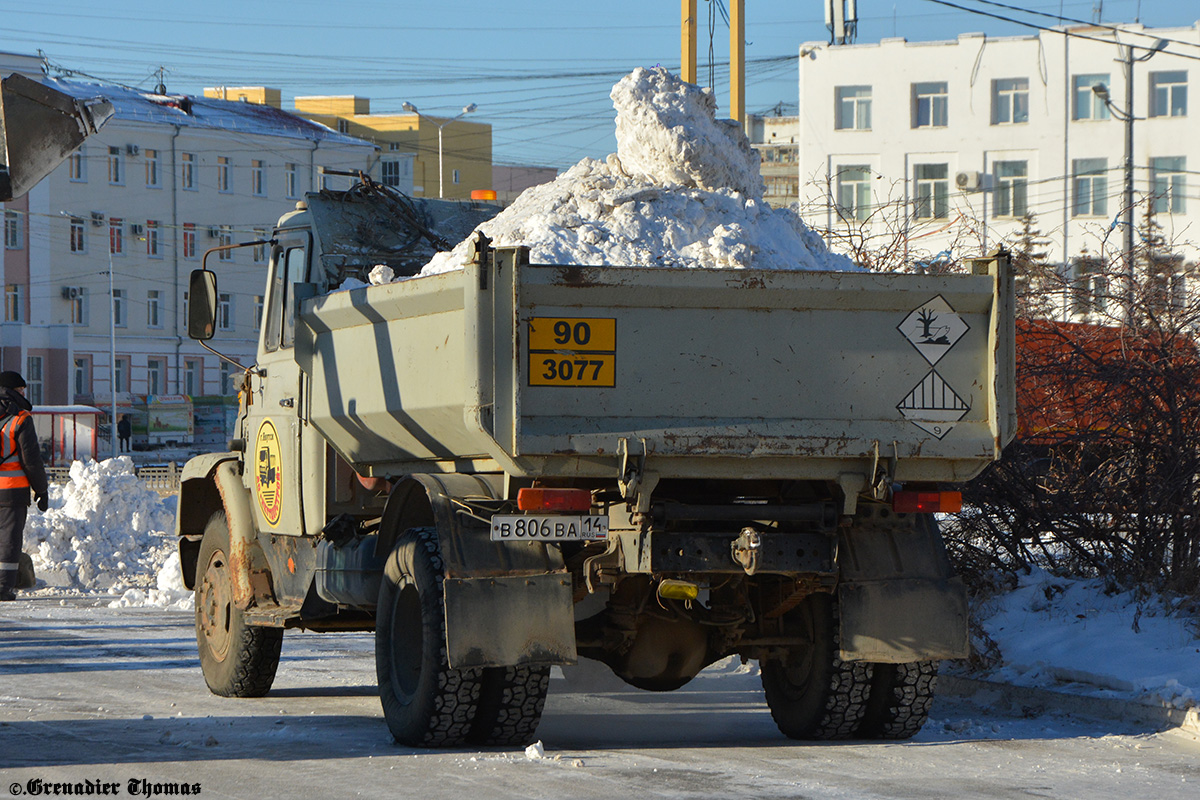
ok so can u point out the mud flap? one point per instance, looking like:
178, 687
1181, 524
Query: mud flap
898, 598
899, 621
509, 621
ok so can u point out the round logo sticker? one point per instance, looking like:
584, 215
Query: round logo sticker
266, 472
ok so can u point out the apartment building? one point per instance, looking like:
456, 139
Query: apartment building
940, 148
777, 140
167, 178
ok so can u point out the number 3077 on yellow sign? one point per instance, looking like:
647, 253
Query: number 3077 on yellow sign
572, 352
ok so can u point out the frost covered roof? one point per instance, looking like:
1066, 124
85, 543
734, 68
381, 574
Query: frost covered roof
205, 112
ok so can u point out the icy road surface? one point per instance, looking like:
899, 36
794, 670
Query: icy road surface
115, 695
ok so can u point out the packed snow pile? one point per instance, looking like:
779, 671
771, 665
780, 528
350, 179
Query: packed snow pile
682, 190
105, 532
1054, 632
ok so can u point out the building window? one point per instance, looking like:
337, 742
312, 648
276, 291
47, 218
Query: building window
854, 192
121, 375
1168, 94
259, 252
193, 377
1091, 291
343, 126
258, 179
79, 308
155, 374
154, 308
391, 173
118, 308
933, 191
853, 108
14, 302
33, 380
225, 312
1011, 196
223, 178
1089, 178
78, 236
1168, 183
457, 176
289, 181
152, 179
189, 240
152, 239
77, 169
394, 147
930, 105
1010, 101
83, 376
227, 382
116, 236
116, 168
1086, 103
13, 231
187, 175
224, 239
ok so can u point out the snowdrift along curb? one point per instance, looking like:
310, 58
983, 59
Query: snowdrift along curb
1003, 694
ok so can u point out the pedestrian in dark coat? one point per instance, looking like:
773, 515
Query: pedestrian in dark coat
21, 473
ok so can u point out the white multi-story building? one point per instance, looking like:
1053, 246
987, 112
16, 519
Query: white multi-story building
167, 178
940, 148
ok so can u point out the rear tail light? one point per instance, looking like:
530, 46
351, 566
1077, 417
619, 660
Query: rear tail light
554, 500
926, 502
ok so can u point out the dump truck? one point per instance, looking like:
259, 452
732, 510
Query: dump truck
514, 466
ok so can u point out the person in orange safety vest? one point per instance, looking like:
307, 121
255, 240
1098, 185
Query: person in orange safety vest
21, 472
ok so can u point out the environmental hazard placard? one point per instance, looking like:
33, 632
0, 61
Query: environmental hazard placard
933, 329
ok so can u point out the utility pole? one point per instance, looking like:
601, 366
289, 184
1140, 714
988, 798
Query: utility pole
689, 33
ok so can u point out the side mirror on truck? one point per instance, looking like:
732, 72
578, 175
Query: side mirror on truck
202, 305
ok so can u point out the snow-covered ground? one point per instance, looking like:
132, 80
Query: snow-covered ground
109, 537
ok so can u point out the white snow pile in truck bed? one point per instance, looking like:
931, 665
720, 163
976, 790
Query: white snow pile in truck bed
682, 190
106, 532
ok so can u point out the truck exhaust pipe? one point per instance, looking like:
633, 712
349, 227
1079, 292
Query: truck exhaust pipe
39, 128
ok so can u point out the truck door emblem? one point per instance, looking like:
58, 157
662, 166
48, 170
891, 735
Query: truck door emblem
933, 329
933, 406
267, 486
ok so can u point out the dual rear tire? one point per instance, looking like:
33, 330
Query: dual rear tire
814, 695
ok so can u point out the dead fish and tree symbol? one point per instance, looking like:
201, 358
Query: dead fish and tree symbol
933, 405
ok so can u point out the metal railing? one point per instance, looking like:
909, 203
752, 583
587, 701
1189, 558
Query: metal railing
162, 479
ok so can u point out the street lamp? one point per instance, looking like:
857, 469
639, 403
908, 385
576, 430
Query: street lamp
1126, 116
410, 108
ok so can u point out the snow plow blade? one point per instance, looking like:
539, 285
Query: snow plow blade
39, 128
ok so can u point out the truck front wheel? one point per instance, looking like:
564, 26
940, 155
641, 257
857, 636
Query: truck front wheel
812, 693
425, 702
238, 660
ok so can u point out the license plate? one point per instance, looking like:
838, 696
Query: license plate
529, 528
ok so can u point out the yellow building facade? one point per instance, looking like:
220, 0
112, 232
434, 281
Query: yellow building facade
466, 146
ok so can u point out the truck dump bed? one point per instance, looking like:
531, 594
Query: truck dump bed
543, 370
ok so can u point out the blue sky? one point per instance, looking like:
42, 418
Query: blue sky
539, 70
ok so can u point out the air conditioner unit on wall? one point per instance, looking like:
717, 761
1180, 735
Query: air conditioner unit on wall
213, 231
71, 292
135, 229
97, 219
131, 149
969, 181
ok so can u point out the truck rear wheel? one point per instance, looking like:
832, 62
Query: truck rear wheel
813, 694
901, 695
511, 700
238, 660
425, 702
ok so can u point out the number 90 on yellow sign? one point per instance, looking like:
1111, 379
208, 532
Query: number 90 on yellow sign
572, 352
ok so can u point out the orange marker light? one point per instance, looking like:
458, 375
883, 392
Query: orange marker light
554, 500
926, 502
